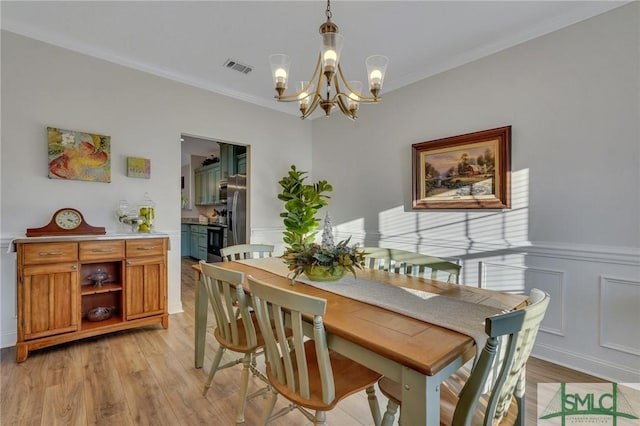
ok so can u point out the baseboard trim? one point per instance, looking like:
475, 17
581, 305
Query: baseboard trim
589, 365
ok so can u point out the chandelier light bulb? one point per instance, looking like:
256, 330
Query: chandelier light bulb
375, 77
304, 97
353, 98
304, 92
281, 75
330, 58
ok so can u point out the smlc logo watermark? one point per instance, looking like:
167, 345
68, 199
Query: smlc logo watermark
588, 404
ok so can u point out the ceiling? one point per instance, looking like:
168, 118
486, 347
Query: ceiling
190, 41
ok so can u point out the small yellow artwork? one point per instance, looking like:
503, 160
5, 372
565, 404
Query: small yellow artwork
78, 155
138, 167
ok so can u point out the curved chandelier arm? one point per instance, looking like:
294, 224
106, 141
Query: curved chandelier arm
296, 96
360, 96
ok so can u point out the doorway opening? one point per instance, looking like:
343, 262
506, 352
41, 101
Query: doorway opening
214, 183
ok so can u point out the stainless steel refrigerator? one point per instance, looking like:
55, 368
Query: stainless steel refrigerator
236, 210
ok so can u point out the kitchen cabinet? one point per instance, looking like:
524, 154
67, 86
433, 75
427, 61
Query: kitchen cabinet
242, 164
207, 184
193, 240
233, 159
227, 160
63, 282
185, 248
198, 238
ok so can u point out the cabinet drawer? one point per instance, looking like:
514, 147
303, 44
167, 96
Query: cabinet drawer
49, 253
102, 250
145, 247
199, 229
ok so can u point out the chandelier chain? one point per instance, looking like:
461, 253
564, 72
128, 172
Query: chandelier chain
328, 11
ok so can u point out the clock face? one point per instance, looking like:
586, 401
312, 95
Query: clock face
68, 219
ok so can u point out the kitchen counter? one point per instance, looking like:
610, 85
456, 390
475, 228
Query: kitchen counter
196, 221
192, 220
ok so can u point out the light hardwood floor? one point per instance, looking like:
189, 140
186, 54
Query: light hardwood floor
146, 377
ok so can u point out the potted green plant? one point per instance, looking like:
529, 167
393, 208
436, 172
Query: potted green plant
319, 262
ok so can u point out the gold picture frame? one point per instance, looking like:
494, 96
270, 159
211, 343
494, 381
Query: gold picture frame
470, 171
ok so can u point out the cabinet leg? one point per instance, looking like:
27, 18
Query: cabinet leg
22, 350
165, 321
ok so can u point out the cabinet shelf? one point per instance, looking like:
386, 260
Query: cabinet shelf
106, 288
89, 325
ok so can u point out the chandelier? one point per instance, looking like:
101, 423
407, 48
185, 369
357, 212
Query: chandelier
327, 86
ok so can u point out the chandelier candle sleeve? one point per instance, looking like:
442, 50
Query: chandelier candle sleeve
328, 86
331, 48
352, 102
305, 89
376, 68
280, 69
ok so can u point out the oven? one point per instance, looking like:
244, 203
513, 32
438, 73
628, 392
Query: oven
215, 239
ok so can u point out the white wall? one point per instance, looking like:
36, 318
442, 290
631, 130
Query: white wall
43, 85
572, 98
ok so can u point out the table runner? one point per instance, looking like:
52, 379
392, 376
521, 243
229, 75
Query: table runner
454, 314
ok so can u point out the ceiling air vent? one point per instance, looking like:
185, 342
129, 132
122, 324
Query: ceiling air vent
237, 66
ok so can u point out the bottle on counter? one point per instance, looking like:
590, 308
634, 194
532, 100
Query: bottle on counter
147, 214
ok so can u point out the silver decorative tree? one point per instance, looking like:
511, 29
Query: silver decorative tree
327, 234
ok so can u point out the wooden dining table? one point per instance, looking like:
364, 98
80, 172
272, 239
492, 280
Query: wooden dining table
417, 354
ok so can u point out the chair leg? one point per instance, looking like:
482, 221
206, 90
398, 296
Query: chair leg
390, 414
320, 418
373, 405
268, 407
214, 368
244, 386
521, 413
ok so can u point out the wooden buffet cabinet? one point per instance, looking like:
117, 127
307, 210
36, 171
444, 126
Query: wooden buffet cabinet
55, 291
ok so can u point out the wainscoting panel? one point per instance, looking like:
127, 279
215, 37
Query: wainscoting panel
518, 278
620, 314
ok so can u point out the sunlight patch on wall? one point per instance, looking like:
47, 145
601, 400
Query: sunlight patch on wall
353, 228
459, 232
507, 274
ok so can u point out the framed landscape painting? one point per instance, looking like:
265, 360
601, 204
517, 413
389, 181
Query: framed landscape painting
471, 171
78, 155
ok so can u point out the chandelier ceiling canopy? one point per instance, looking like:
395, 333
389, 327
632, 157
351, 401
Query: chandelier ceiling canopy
328, 86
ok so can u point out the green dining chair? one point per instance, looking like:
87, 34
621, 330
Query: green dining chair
411, 263
236, 329
492, 392
246, 251
303, 370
